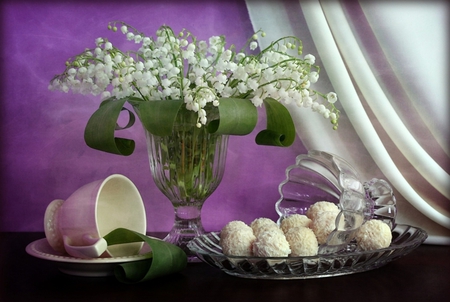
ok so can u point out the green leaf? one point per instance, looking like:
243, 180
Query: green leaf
280, 127
131, 120
236, 117
157, 117
165, 258
99, 132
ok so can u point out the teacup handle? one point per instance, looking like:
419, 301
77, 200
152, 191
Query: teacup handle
95, 247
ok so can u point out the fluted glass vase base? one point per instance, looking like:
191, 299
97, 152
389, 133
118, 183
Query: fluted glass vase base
187, 226
181, 239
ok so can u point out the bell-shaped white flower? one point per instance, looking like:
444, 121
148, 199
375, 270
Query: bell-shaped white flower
310, 59
332, 97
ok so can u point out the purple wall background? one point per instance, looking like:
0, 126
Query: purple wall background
43, 154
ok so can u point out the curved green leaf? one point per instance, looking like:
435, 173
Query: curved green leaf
236, 117
165, 258
280, 127
99, 131
131, 120
157, 117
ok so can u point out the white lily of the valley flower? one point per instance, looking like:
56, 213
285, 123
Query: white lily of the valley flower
171, 66
313, 77
310, 59
332, 97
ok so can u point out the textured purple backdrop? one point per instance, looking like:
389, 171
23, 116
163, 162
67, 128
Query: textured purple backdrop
43, 154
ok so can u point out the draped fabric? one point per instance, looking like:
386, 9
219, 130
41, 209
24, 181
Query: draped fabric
387, 63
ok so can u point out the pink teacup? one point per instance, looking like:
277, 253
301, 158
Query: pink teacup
77, 225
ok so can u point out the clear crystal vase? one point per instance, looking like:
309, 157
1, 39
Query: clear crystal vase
187, 167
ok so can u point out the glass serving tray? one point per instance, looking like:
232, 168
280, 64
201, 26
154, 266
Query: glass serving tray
405, 238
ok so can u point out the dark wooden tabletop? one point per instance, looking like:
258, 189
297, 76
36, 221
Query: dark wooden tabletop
422, 275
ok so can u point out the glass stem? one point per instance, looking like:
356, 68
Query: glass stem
187, 225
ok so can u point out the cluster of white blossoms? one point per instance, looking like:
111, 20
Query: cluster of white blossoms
181, 67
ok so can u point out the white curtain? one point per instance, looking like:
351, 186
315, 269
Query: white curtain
387, 63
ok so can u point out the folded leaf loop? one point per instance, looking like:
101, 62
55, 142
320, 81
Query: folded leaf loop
236, 117
158, 117
131, 120
280, 127
99, 131
164, 259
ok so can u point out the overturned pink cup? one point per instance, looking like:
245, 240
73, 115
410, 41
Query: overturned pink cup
77, 225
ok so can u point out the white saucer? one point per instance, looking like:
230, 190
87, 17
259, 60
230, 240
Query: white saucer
96, 267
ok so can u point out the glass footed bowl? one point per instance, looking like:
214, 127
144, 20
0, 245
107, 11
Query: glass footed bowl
404, 239
321, 176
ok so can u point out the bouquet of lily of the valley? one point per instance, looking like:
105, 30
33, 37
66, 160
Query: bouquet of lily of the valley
169, 73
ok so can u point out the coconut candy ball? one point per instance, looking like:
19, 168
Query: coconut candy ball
321, 206
238, 242
373, 235
295, 220
262, 224
271, 243
323, 224
233, 225
302, 241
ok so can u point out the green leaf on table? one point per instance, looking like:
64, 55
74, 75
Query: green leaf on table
280, 127
164, 259
99, 132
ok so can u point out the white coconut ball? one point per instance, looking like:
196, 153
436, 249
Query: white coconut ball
233, 225
323, 224
271, 243
373, 235
263, 224
237, 241
295, 220
302, 241
319, 207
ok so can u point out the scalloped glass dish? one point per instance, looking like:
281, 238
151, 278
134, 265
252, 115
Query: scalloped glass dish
405, 238
322, 176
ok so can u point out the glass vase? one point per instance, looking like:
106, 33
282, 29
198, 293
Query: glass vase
187, 167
